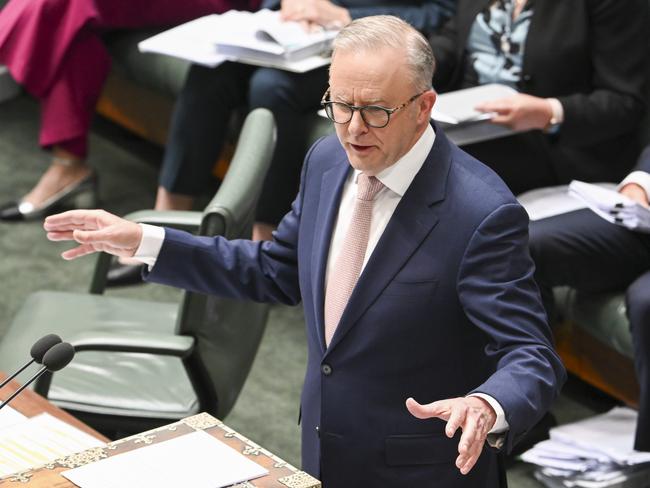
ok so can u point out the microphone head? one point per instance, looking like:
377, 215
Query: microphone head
58, 356
43, 345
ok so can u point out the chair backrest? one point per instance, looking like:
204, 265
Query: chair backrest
228, 332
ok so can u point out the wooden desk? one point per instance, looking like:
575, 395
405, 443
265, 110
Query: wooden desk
30, 404
281, 474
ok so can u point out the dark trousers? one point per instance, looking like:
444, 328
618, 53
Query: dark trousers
201, 119
581, 250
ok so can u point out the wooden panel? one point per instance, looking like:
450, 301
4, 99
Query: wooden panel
597, 364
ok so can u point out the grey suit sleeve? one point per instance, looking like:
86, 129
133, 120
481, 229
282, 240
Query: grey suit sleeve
499, 296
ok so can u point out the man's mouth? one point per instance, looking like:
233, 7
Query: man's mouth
359, 148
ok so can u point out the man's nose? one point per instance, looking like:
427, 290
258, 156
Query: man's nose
357, 125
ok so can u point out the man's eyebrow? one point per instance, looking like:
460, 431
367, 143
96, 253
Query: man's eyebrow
371, 101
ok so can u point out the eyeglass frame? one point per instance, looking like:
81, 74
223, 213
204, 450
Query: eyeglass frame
353, 108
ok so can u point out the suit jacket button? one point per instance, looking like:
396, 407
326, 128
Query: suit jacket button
326, 369
318, 430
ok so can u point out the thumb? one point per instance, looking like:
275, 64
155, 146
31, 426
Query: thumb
423, 411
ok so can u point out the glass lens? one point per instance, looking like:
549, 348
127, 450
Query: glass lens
338, 112
375, 116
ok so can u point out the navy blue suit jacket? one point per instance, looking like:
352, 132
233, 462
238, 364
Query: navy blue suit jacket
445, 306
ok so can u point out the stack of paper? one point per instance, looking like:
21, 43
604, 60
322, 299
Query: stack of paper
612, 206
39, 440
259, 38
593, 453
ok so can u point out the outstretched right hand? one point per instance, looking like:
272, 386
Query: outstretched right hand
94, 230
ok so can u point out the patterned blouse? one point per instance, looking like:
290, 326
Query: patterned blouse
495, 48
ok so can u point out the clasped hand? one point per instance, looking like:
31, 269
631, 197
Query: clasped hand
315, 13
473, 415
94, 230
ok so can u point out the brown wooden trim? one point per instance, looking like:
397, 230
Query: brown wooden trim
596, 363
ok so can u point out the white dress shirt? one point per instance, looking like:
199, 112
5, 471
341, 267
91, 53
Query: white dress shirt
640, 178
396, 180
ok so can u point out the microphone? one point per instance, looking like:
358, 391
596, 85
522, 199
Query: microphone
56, 358
37, 352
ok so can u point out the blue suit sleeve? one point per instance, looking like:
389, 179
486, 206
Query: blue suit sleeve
241, 269
426, 18
499, 295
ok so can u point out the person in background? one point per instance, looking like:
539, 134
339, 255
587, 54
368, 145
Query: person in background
580, 68
584, 251
209, 96
53, 48
427, 339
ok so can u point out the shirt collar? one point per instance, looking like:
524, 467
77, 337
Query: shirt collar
398, 177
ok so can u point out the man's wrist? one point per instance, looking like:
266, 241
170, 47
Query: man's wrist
557, 115
150, 244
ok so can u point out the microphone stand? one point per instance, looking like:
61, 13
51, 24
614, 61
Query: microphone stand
29, 382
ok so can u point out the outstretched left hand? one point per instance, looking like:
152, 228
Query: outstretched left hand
472, 414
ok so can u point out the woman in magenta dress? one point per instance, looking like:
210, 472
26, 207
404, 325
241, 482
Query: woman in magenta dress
53, 48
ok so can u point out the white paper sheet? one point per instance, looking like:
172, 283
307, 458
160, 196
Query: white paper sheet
196, 460
10, 416
39, 440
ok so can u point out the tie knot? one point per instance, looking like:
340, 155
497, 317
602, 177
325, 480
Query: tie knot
368, 187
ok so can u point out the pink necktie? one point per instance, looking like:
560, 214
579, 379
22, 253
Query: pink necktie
348, 264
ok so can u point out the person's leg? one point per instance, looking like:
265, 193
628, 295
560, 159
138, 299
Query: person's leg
581, 250
638, 311
290, 97
198, 129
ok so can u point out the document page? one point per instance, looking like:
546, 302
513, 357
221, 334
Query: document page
10, 416
40, 440
196, 460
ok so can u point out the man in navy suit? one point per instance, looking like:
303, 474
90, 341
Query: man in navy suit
440, 305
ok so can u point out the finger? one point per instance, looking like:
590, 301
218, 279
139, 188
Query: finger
498, 106
506, 120
77, 252
438, 409
473, 458
73, 219
456, 419
60, 236
106, 235
466, 445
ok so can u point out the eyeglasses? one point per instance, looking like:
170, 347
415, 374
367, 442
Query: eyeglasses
373, 115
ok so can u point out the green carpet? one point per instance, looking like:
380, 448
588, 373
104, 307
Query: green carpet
267, 410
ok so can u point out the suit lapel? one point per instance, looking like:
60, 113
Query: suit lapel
413, 220
328, 205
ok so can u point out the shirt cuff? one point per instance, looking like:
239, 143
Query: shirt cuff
557, 109
149, 248
501, 424
640, 178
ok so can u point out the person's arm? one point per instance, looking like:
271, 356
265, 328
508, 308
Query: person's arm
426, 17
636, 185
499, 295
619, 34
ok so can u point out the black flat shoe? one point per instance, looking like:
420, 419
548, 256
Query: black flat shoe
82, 194
124, 274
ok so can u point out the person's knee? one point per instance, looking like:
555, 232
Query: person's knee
270, 88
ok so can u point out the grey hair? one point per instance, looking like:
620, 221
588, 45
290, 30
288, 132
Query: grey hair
386, 31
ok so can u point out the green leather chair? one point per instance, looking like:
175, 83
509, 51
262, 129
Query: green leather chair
142, 364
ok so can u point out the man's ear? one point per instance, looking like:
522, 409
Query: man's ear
425, 104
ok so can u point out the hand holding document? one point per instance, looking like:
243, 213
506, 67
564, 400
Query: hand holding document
261, 38
593, 453
612, 206
464, 124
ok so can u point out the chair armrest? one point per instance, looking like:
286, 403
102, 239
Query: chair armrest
182, 220
150, 343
